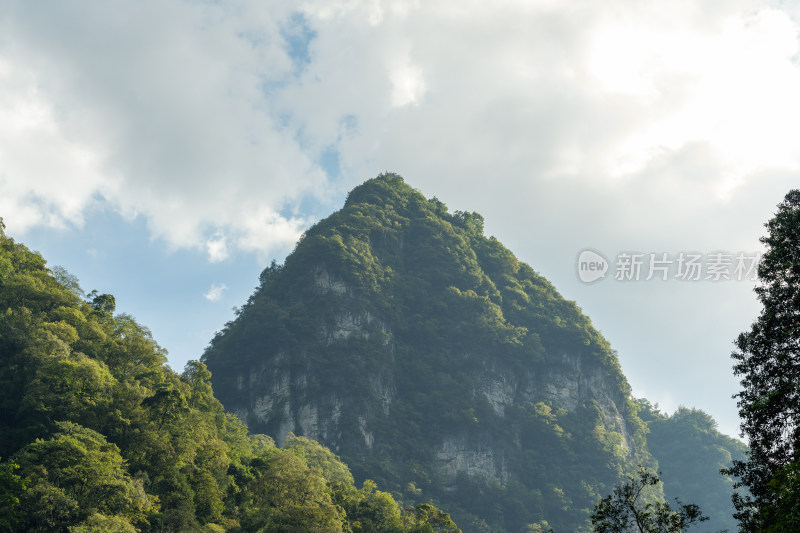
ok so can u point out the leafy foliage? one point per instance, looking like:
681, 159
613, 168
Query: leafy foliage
102, 436
630, 508
768, 361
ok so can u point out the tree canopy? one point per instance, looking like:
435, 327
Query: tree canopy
633, 507
768, 362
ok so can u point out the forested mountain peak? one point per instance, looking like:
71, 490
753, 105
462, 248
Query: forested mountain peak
434, 361
385, 189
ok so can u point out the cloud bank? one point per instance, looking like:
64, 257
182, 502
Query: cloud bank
211, 120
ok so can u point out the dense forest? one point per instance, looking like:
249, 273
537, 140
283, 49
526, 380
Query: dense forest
99, 435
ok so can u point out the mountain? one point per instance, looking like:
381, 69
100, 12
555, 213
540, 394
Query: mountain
435, 363
691, 452
100, 436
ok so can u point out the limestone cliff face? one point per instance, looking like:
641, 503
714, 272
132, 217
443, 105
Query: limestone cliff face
283, 398
273, 397
433, 361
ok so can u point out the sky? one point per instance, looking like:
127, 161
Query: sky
166, 151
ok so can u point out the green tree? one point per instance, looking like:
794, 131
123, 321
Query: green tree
289, 496
74, 474
768, 361
199, 379
367, 509
318, 456
68, 280
98, 523
11, 487
632, 508
426, 518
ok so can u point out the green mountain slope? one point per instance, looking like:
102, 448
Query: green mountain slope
433, 361
690, 453
98, 435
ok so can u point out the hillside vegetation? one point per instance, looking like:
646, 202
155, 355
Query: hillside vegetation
691, 452
99, 435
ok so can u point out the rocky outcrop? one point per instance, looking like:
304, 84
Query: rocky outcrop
280, 401
458, 454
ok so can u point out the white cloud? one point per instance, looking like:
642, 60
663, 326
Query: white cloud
214, 293
182, 128
205, 129
265, 225
46, 178
735, 83
217, 248
408, 85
